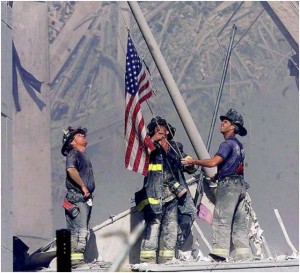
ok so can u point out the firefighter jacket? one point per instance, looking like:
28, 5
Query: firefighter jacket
164, 171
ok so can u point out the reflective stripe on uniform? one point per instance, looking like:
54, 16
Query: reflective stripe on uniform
76, 256
167, 253
223, 252
242, 251
155, 167
148, 254
176, 185
147, 201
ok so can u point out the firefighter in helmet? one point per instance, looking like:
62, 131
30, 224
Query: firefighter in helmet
229, 226
166, 201
80, 186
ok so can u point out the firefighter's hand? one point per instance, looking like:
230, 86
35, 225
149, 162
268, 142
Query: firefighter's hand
158, 136
85, 191
214, 177
188, 160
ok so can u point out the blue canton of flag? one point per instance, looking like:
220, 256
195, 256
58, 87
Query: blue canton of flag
133, 69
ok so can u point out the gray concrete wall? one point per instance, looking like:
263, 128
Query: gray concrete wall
6, 138
32, 185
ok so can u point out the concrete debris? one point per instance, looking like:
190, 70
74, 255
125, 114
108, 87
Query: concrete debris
39, 259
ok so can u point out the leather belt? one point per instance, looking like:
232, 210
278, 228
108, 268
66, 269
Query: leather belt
234, 176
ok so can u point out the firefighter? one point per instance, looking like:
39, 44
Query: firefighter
80, 186
229, 220
165, 198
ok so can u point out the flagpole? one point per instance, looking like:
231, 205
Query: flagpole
171, 86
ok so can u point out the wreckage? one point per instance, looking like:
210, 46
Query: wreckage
118, 238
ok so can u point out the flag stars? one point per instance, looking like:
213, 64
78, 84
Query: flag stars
133, 69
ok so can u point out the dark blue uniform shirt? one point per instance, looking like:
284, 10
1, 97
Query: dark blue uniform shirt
80, 161
232, 152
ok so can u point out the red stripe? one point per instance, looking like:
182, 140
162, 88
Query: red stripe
145, 170
129, 147
127, 110
132, 133
143, 144
138, 157
142, 77
143, 87
140, 147
131, 136
147, 96
135, 139
148, 143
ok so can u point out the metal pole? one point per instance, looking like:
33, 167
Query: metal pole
198, 194
171, 86
131, 240
212, 125
230, 19
286, 236
195, 224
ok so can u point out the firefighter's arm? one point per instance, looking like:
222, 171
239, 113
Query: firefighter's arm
209, 163
74, 174
156, 138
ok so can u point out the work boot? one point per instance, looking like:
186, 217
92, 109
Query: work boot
168, 261
100, 264
77, 264
148, 261
244, 258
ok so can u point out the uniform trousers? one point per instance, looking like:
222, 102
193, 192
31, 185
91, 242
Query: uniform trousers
230, 232
160, 236
78, 226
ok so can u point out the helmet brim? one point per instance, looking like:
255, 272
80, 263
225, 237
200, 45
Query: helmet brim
224, 117
241, 129
162, 122
65, 148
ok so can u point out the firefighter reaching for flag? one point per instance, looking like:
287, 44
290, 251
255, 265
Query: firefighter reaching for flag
165, 199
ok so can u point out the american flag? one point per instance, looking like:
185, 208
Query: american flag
137, 90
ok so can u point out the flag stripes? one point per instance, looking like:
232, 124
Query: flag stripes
137, 90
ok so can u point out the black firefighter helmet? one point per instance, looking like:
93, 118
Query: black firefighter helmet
160, 121
236, 119
69, 136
